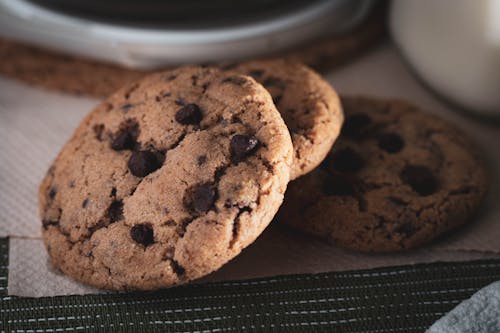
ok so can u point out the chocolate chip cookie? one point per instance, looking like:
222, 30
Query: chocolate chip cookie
395, 179
308, 104
166, 180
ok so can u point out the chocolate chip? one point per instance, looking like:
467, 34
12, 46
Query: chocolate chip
355, 125
126, 107
194, 80
115, 211
201, 160
346, 160
99, 225
204, 198
269, 167
113, 192
190, 114
339, 185
219, 172
204, 87
170, 223
142, 234
200, 198
181, 228
98, 131
47, 223
420, 179
52, 193
178, 269
143, 162
85, 203
126, 137
123, 140
242, 145
391, 142
237, 80
236, 120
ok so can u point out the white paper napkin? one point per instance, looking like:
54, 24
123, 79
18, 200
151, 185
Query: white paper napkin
34, 124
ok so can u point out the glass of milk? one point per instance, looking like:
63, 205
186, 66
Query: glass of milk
453, 45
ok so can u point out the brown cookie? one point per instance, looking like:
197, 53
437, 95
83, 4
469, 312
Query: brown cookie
166, 180
78, 75
61, 72
395, 179
308, 104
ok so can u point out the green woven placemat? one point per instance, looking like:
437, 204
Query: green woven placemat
394, 299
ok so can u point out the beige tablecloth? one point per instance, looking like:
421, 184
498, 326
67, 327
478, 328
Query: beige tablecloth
34, 124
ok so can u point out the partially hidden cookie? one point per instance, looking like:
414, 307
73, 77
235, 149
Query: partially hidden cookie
166, 180
61, 72
395, 179
308, 104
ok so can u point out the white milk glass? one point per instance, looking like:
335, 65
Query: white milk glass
454, 45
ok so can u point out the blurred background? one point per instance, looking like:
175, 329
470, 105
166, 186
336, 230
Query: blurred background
153, 33
452, 45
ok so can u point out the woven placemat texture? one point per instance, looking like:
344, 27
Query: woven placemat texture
395, 299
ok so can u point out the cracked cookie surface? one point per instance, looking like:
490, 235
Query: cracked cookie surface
395, 179
308, 104
166, 180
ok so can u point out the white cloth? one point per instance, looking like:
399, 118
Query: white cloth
34, 124
478, 314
